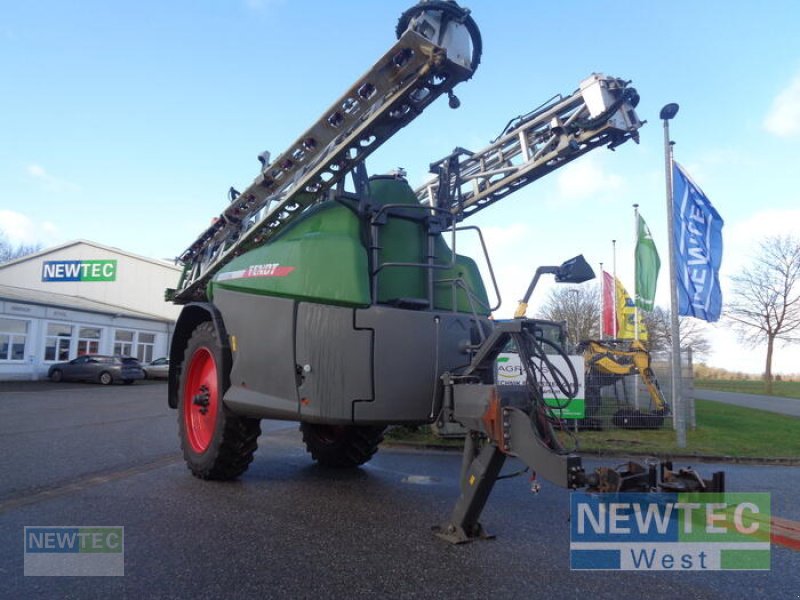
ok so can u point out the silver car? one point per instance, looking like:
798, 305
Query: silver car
99, 368
157, 369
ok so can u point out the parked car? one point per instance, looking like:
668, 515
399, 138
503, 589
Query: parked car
157, 369
99, 368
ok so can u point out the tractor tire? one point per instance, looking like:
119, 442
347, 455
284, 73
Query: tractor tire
341, 446
217, 444
106, 378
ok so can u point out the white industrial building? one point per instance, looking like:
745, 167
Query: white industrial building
80, 298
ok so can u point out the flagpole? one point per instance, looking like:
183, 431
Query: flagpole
602, 302
679, 418
614, 326
635, 299
635, 274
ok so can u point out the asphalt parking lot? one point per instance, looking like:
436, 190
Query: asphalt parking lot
81, 455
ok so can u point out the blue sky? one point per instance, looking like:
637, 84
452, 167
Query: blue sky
126, 122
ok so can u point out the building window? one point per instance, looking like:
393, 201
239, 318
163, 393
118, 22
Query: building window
13, 337
58, 340
88, 340
123, 342
144, 346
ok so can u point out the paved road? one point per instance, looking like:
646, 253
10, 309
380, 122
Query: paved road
784, 406
87, 455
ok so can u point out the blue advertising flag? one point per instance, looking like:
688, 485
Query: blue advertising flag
697, 231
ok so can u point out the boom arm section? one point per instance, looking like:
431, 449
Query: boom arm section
600, 113
439, 49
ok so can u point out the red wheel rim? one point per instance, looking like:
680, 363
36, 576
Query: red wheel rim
201, 400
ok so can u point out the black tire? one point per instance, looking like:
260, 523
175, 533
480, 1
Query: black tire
341, 446
220, 446
127, 381
56, 376
105, 378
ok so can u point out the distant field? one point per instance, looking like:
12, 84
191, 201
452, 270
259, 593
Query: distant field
722, 430
785, 389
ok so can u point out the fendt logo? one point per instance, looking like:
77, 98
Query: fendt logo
670, 532
79, 270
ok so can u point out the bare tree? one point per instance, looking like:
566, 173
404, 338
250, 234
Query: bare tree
765, 297
10, 252
579, 306
659, 332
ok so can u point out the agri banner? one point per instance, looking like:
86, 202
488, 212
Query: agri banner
697, 231
510, 372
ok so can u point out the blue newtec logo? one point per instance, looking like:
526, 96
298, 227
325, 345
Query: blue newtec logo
670, 531
79, 270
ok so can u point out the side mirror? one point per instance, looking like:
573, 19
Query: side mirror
575, 270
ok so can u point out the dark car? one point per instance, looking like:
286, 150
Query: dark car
157, 369
96, 367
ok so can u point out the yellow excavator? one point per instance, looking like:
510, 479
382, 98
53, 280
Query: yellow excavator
608, 361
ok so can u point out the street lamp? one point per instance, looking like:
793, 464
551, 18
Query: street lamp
668, 113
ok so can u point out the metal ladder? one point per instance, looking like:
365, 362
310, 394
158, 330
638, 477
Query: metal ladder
439, 49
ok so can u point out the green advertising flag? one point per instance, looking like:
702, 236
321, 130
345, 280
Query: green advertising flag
647, 266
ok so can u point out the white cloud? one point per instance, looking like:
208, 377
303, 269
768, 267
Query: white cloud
783, 118
502, 237
49, 182
20, 229
585, 178
741, 239
37, 171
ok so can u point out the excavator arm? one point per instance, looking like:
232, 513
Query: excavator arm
622, 358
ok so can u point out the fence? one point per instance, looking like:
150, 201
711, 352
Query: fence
626, 402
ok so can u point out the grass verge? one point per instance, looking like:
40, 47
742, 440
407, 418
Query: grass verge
784, 389
722, 431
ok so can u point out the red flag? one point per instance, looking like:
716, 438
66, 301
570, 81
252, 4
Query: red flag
609, 305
